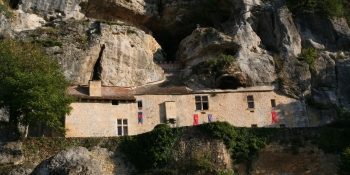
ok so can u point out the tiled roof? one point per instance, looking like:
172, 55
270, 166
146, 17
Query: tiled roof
156, 90
108, 93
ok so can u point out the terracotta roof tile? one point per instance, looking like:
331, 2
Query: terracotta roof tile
156, 90
108, 93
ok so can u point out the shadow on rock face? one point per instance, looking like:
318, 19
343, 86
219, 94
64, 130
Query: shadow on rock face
232, 81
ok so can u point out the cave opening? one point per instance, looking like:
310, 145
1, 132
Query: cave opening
14, 3
229, 82
225, 18
98, 67
231, 51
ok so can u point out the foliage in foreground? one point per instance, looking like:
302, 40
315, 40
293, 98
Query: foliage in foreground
242, 143
151, 149
344, 166
335, 139
32, 85
5, 8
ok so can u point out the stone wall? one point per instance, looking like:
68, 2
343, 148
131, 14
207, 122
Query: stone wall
94, 119
278, 159
171, 66
231, 107
193, 144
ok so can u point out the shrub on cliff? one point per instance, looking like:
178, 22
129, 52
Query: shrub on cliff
309, 55
323, 7
32, 85
151, 149
5, 8
216, 66
242, 143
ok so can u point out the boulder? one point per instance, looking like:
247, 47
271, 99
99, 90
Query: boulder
77, 160
204, 44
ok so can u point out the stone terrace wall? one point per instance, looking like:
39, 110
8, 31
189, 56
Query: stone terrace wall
276, 158
293, 152
170, 66
193, 142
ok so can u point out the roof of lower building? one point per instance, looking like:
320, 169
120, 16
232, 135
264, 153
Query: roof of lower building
157, 90
107, 92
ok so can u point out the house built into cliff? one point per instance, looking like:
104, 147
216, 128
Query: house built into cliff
114, 111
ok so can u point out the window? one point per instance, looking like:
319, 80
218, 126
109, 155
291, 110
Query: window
139, 104
122, 127
273, 103
250, 101
115, 102
254, 125
202, 102
172, 121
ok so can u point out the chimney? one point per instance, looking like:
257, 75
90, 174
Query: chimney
95, 88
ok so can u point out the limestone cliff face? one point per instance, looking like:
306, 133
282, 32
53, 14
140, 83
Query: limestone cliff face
264, 37
68, 8
118, 55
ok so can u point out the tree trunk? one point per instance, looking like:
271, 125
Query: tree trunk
26, 131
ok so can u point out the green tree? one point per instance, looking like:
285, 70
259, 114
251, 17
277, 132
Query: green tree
344, 167
32, 85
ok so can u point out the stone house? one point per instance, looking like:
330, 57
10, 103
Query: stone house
114, 111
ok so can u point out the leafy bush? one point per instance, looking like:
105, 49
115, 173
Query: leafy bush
323, 7
5, 8
319, 106
215, 66
114, 23
199, 161
309, 56
344, 166
340, 55
34, 89
85, 23
48, 43
242, 143
333, 140
150, 149
51, 31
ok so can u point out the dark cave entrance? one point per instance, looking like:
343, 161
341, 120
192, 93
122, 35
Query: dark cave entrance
14, 3
98, 68
229, 82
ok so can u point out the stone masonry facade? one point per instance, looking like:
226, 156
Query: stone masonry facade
96, 118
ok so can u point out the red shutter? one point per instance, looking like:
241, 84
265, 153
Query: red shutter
274, 117
195, 117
